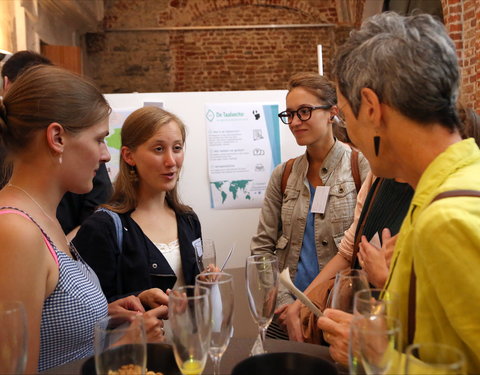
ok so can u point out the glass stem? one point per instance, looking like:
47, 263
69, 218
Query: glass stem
216, 364
263, 332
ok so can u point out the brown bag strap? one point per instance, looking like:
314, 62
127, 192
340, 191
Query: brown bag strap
413, 277
355, 169
456, 193
286, 174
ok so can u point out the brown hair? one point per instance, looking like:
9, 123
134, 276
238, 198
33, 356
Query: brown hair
470, 123
323, 89
40, 96
138, 128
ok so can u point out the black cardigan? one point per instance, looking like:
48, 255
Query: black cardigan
140, 265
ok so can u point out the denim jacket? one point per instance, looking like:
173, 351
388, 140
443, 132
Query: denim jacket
283, 217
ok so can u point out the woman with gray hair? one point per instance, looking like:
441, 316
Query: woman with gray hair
397, 82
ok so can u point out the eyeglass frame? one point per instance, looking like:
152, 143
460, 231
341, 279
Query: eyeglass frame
311, 109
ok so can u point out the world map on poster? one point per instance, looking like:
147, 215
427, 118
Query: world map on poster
230, 191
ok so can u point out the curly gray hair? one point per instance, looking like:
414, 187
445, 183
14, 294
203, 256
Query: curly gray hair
409, 62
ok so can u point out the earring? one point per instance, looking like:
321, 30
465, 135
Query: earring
376, 144
60, 160
133, 174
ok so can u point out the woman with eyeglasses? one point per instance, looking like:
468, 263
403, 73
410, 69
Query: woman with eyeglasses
309, 204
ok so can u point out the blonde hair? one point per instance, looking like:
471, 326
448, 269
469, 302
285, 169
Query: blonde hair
138, 128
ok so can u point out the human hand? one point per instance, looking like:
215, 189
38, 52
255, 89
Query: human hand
209, 269
335, 325
154, 323
293, 323
373, 259
153, 297
281, 314
130, 304
212, 268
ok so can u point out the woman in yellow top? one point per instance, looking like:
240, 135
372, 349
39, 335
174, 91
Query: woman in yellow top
397, 82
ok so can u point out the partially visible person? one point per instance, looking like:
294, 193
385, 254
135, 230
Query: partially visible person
305, 239
73, 208
471, 122
381, 207
156, 251
53, 124
397, 82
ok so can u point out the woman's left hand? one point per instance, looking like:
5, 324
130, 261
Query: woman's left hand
153, 297
209, 268
335, 325
374, 260
130, 304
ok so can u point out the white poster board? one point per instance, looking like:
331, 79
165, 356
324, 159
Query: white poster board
224, 226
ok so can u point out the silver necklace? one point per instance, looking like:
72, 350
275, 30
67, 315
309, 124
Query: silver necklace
38, 205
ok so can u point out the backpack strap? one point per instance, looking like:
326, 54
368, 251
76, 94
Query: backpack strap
286, 174
118, 226
413, 278
355, 169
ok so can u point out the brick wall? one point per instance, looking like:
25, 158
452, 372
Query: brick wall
212, 59
462, 19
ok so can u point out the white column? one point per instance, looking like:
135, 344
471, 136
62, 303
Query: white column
320, 59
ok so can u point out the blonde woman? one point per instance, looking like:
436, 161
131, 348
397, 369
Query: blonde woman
156, 250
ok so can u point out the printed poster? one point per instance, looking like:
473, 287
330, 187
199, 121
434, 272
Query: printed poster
114, 140
243, 148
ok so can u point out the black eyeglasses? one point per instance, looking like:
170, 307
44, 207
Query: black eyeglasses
303, 113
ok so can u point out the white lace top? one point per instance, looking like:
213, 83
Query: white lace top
171, 252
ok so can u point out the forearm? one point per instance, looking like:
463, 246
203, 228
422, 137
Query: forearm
336, 264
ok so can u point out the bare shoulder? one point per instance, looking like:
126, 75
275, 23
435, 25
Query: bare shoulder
19, 231
22, 248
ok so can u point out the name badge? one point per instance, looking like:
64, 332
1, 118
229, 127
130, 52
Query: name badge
197, 245
320, 199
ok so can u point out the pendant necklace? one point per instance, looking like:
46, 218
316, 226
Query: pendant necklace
38, 205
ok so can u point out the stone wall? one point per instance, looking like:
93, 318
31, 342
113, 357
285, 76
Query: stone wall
214, 56
462, 19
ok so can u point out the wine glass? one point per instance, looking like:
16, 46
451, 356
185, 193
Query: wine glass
190, 315
13, 337
205, 254
120, 344
376, 301
374, 344
262, 288
434, 359
347, 283
220, 285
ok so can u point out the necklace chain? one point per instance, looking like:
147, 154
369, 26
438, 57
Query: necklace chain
38, 205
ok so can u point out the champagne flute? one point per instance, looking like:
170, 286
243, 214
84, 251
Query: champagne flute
206, 254
120, 343
220, 285
374, 345
262, 288
347, 283
376, 301
190, 315
13, 337
434, 359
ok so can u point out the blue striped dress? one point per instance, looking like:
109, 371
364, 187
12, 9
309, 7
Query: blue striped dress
70, 312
